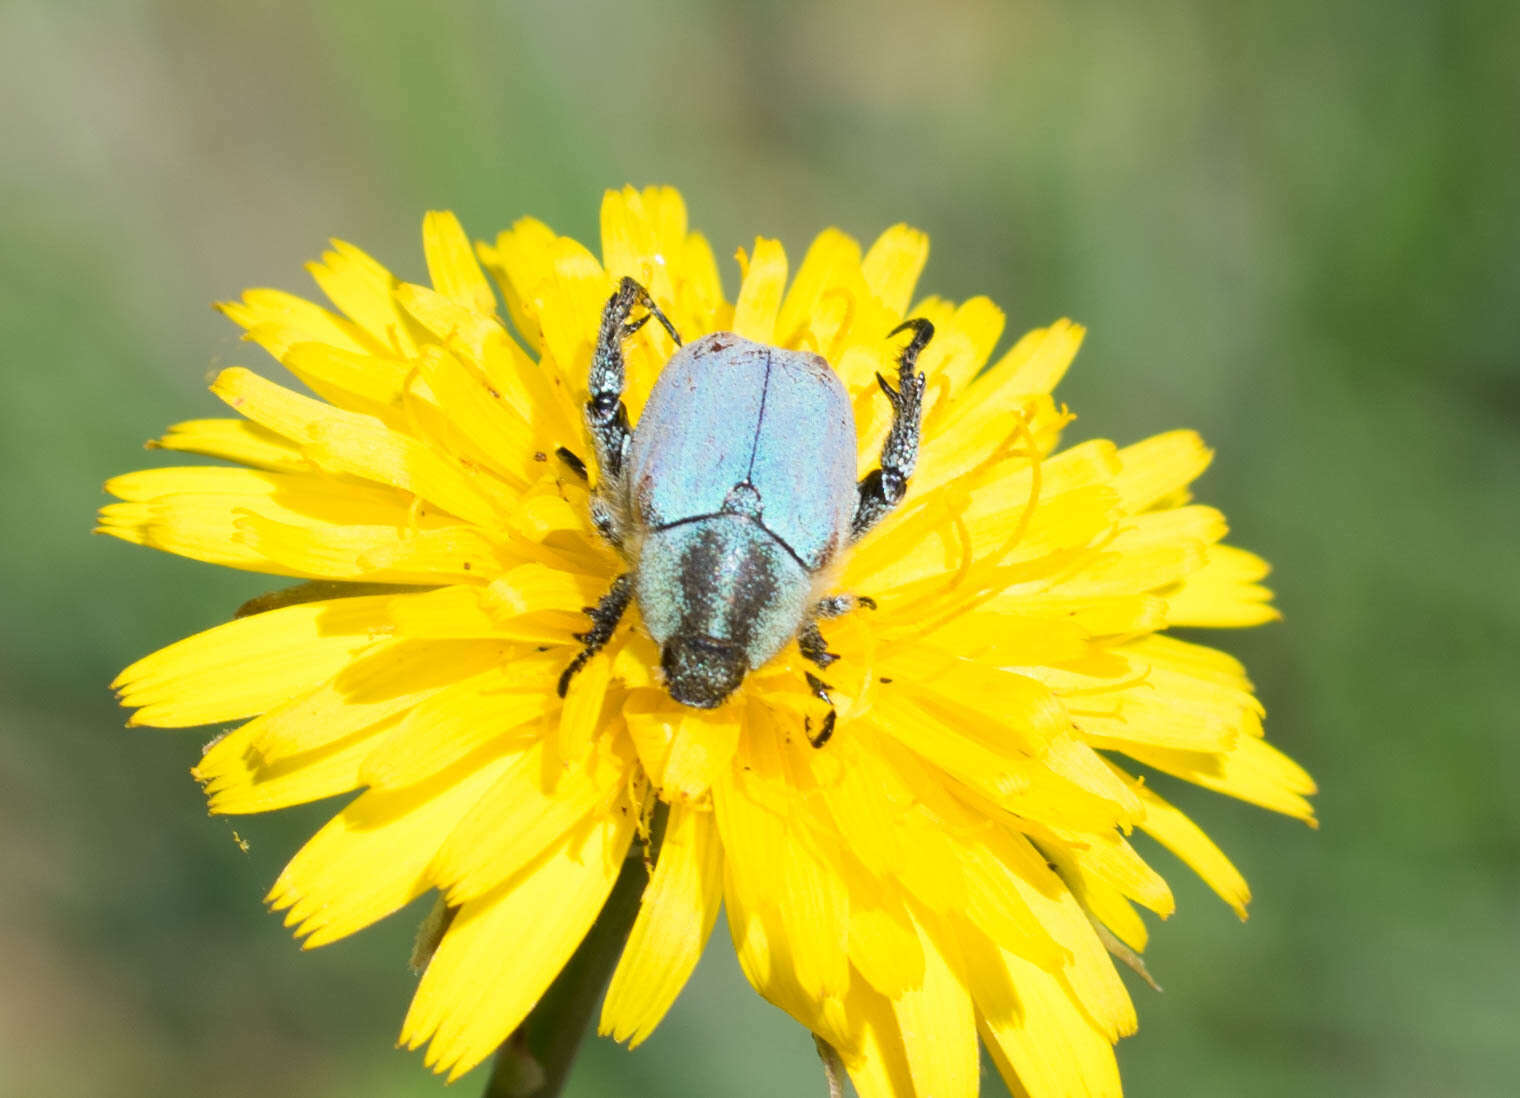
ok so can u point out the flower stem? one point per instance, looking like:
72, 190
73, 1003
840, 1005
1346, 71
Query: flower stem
833, 1067
535, 1061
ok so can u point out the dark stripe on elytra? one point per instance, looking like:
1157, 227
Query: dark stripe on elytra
746, 599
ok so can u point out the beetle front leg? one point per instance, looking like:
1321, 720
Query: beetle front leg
604, 616
606, 415
882, 489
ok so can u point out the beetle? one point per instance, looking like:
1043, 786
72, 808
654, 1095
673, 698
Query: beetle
732, 498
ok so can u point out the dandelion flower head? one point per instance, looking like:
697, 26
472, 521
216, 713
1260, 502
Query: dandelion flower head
953, 868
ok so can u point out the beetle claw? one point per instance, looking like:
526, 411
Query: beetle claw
819, 687
824, 732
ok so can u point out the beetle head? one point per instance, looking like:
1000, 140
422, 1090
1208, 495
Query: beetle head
702, 671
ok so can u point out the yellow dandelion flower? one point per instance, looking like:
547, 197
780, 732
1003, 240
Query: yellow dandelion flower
952, 867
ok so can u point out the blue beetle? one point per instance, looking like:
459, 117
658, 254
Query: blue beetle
732, 497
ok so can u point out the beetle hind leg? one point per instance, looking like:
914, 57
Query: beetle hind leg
883, 488
604, 616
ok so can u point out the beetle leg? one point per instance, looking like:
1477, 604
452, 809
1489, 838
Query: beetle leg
836, 606
814, 648
604, 616
883, 488
810, 639
604, 518
606, 415
826, 729
572, 462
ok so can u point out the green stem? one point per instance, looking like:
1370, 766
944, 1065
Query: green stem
535, 1061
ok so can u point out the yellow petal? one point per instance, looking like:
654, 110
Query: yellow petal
632, 241
501, 953
1044, 1047
892, 265
884, 941
951, 745
283, 320
772, 865
237, 779
345, 442
580, 716
1123, 572
484, 714
185, 528
705, 307
451, 262
1100, 899
1160, 468
675, 917
381, 683
252, 664
1036, 363
831, 263
1107, 857
235, 440
498, 437
760, 295
516, 261
683, 752
1173, 830
527, 810
370, 859
868, 800
939, 1028
317, 495
979, 419
383, 554
349, 379
294, 524
363, 289
501, 609
1009, 711
1224, 592
567, 302
1251, 770
1088, 973
875, 1057
962, 343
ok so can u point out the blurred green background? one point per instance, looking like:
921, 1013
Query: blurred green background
1293, 225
